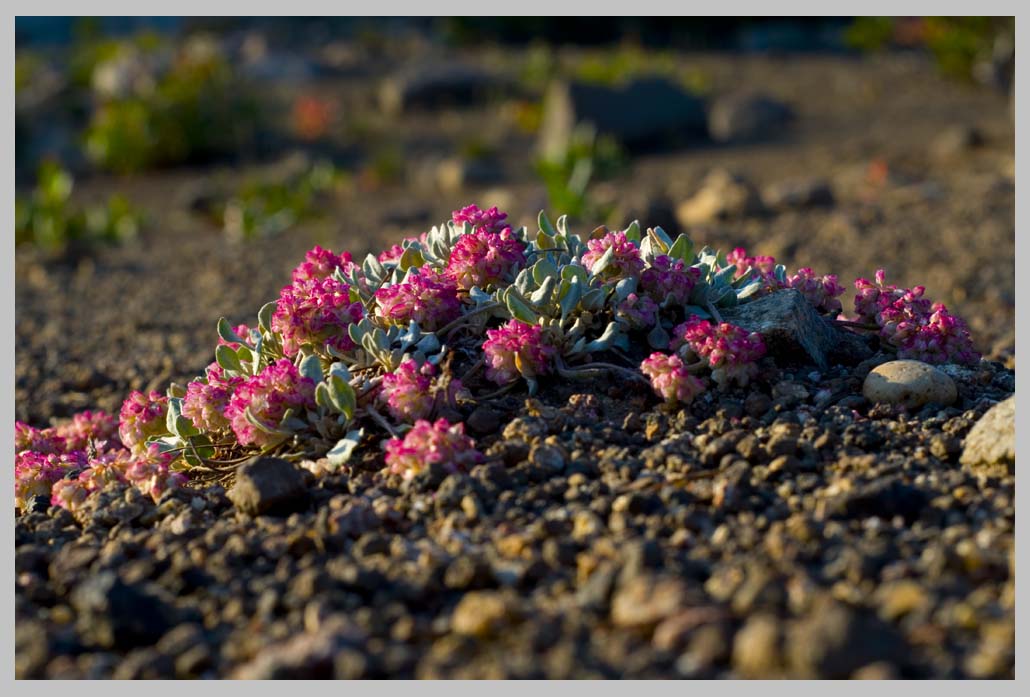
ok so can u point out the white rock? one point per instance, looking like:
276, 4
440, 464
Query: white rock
992, 440
909, 383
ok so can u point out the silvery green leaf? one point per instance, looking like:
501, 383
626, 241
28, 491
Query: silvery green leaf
227, 333
374, 270
563, 226
699, 294
662, 235
727, 299
340, 369
428, 344
357, 332
624, 288
342, 395
173, 413
411, 258
544, 269
725, 276
344, 448
578, 347
749, 290
265, 316
696, 310
570, 271
533, 386
176, 390
544, 292
479, 296
518, 308
682, 248
601, 264
228, 359
604, 341
593, 300
621, 340
410, 335
780, 272
260, 425
658, 338
633, 232
311, 367
524, 282
166, 443
573, 291
545, 225
322, 396
647, 250
197, 445
544, 241
381, 339
245, 355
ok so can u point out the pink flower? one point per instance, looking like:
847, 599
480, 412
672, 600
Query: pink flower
207, 398
666, 278
428, 443
391, 255
731, 352
317, 313
36, 473
491, 220
106, 468
140, 418
267, 396
764, 268
411, 391
152, 475
822, 293
516, 349
639, 311
69, 494
625, 263
29, 438
98, 427
670, 378
427, 297
321, 263
485, 259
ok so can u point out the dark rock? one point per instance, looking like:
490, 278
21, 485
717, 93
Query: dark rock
792, 329
268, 484
646, 112
834, 641
113, 614
307, 656
438, 85
884, 498
742, 117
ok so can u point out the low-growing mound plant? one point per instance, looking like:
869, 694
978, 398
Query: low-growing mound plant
379, 353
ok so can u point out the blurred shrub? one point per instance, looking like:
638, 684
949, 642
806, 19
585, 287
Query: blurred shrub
154, 112
263, 209
567, 178
49, 219
957, 43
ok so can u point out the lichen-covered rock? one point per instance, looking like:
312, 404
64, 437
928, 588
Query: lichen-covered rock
910, 384
792, 329
992, 441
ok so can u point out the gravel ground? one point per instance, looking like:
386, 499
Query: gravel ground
790, 530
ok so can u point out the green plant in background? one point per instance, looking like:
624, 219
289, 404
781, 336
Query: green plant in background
957, 43
567, 178
160, 111
263, 209
49, 219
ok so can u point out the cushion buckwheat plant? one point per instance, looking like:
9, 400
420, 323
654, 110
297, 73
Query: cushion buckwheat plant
475, 297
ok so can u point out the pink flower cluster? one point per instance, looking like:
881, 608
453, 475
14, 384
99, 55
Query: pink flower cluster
670, 378
267, 396
207, 398
821, 292
639, 311
918, 328
411, 391
394, 253
97, 427
142, 417
731, 352
626, 261
427, 297
764, 268
36, 473
428, 443
152, 474
491, 220
321, 263
514, 349
666, 278
483, 258
316, 312
28, 438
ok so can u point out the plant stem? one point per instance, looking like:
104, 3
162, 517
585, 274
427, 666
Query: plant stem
378, 418
442, 331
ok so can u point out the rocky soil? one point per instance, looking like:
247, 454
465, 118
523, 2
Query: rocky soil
793, 529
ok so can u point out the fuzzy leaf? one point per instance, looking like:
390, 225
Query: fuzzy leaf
633, 232
518, 308
342, 395
545, 225
658, 338
682, 248
265, 316
228, 359
311, 367
344, 448
227, 333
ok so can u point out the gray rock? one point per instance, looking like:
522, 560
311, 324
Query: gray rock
992, 441
268, 484
792, 330
647, 600
437, 85
747, 116
910, 384
723, 195
645, 112
308, 656
803, 193
114, 614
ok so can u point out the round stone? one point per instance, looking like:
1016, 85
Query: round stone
992, 441
910, 384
